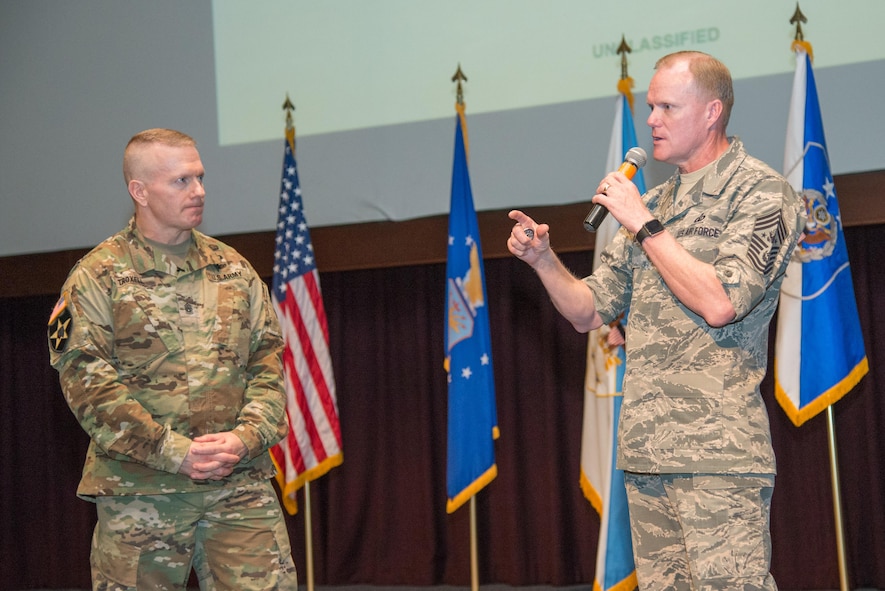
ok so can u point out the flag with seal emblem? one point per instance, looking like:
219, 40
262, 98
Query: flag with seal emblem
313, 445
472, 419
819, 348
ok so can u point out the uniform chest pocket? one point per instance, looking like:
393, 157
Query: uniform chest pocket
142, 331
700, 235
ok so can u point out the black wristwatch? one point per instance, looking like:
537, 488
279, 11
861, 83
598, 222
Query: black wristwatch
651, 228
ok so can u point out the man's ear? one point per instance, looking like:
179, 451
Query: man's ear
714, 112
138, 191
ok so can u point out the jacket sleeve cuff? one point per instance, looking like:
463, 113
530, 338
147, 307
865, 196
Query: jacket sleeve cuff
251, 439
172, 451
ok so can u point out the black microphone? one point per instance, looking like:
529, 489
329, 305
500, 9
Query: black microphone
633, 161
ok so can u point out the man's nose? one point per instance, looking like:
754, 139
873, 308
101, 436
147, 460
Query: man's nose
653, 119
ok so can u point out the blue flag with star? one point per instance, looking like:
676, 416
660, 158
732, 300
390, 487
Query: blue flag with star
472, 418
819, 348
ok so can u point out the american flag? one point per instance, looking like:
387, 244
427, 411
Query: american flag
313, 445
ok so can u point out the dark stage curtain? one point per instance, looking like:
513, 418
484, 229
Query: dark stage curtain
380, 518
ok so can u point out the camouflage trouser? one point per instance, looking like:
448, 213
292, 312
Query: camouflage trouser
701, 532
234, 538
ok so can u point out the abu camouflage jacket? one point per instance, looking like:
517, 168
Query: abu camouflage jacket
691, 391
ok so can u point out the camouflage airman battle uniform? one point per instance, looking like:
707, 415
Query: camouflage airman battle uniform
152, 353
692, 409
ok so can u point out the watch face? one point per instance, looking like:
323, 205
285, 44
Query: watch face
654, 227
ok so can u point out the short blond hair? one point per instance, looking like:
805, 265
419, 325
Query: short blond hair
711, 77
142, 139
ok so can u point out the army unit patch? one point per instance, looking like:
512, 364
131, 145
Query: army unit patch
60, 325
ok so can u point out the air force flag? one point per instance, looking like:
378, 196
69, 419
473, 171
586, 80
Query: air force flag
473, 420
819, 349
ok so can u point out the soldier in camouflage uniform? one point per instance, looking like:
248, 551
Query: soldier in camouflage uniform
698, 262
169, 354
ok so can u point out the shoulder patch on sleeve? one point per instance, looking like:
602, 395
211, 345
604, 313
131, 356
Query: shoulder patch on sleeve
60, 325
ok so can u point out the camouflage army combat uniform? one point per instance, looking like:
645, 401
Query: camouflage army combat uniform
152, 353
692, 409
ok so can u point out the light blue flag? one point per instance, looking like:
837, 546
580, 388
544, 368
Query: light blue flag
819, 349
602, 483
472, 421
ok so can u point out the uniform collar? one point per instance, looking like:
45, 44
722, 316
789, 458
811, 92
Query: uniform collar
711, 185
145, 259
724, 168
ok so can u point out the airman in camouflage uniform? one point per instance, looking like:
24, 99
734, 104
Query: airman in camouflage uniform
169, 355
698, 262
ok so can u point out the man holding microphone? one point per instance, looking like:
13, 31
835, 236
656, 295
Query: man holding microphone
698, 262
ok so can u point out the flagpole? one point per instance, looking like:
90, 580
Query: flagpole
474, 560
459, 77
463, 203
837, 500
799, 42
288, 107
308, 536
299, 307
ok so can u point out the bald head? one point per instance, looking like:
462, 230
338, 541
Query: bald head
138, 163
